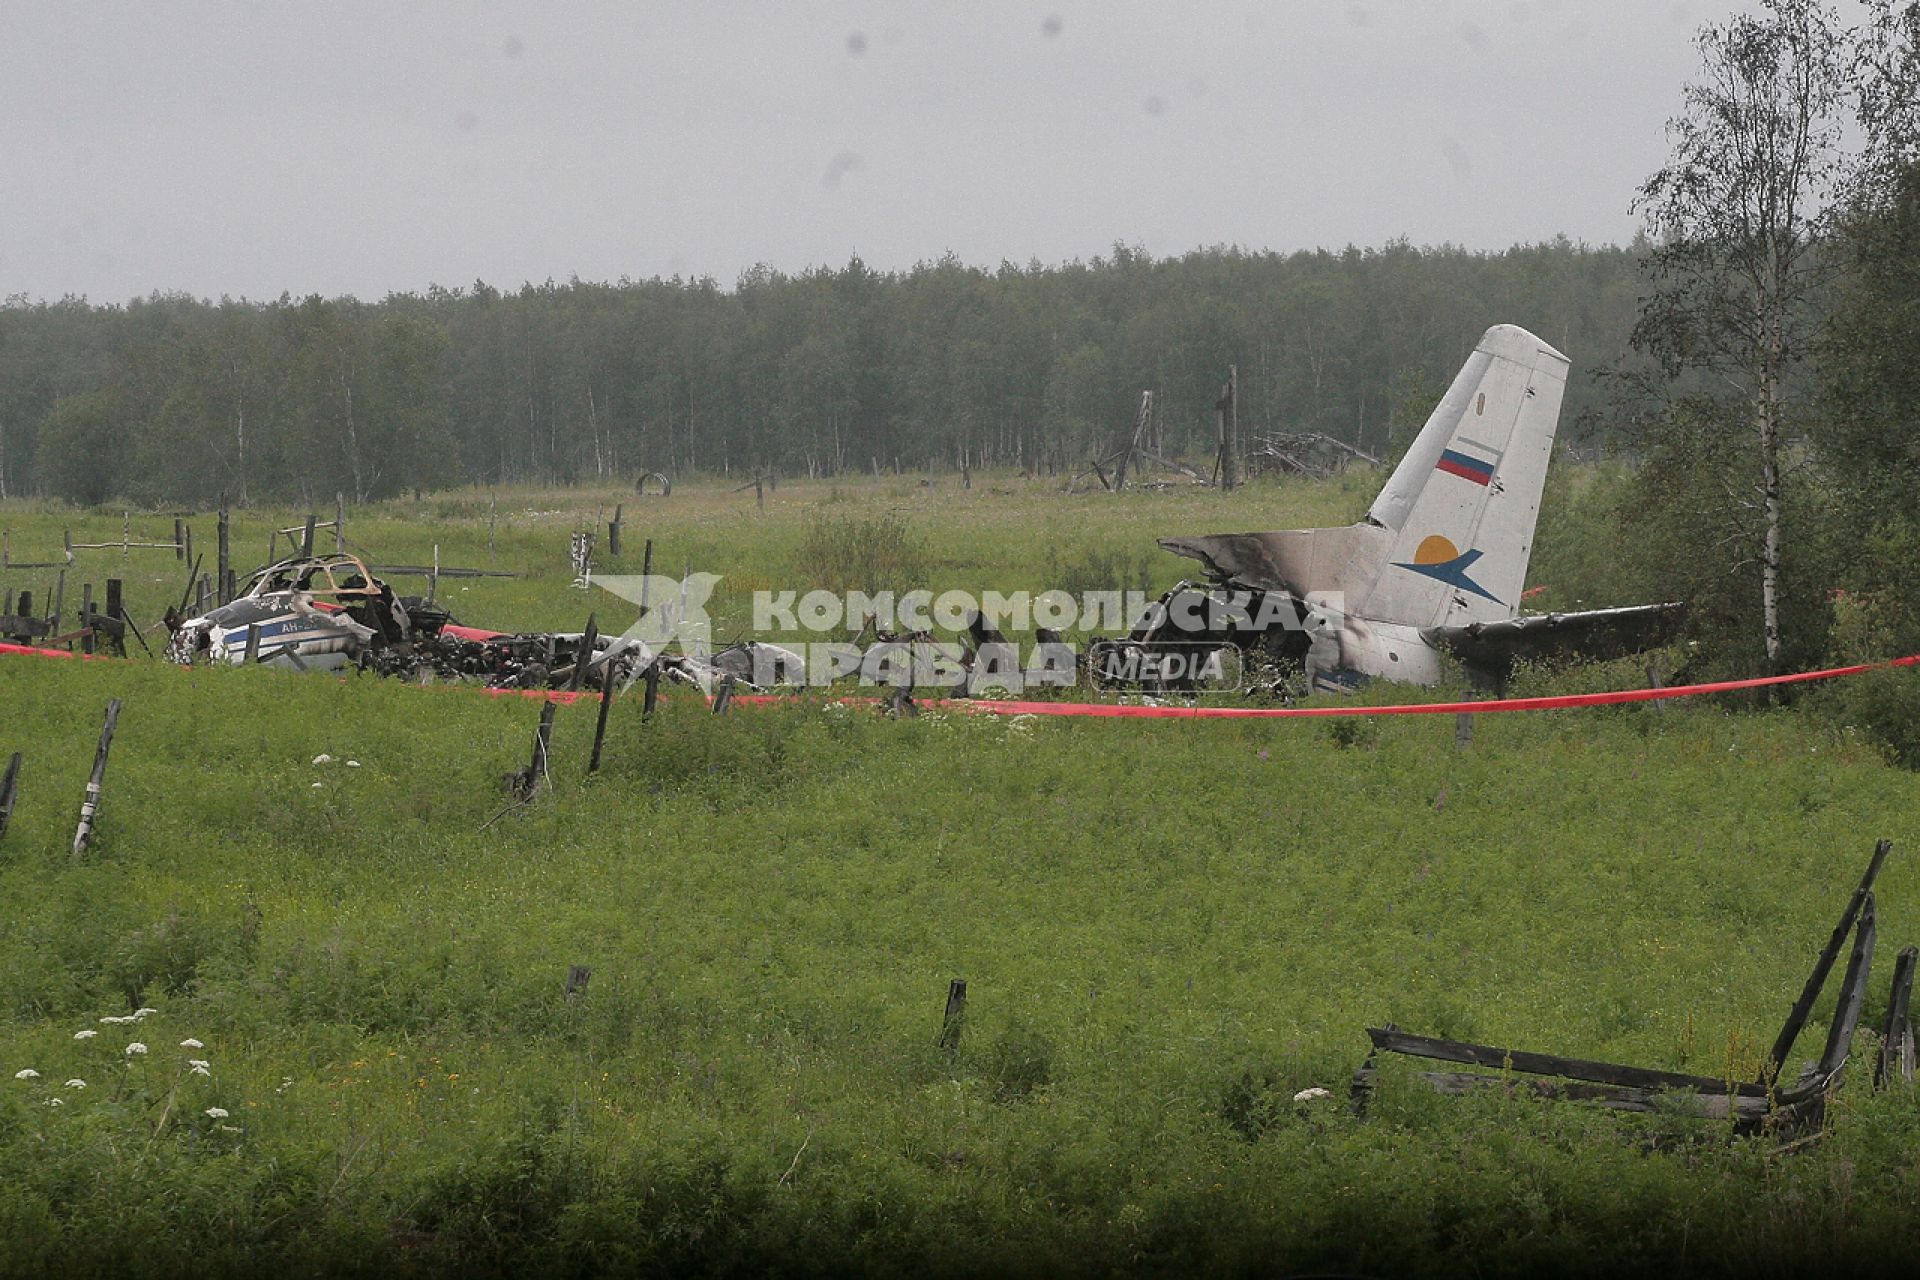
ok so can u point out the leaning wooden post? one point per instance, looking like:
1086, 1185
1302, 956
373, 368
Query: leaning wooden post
1803, 1006
9, 785
339, 522
956, 1017
306, 537
613, 529
90, 804
251, 654
723, 700
653, 688
179, 539
86, 617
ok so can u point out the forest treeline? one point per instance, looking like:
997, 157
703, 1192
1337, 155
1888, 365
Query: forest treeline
176, 400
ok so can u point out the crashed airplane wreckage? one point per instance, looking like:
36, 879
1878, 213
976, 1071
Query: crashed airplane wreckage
1435, 568
330, 613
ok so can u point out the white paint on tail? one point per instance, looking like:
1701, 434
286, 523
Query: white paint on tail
1458, 513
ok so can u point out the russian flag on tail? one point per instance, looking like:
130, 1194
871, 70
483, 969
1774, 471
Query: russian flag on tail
1458, 462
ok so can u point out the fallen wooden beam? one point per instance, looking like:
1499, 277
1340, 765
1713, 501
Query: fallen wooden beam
1393, 1040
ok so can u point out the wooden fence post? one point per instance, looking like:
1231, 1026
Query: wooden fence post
724, 699
613, 529
584, 654
600, 725
653, 688
226, 557
1896, 1034
86, 617
179, 539
340, 522
9, 786
90, 803
114, 612
537, 767
956, 1017
251, 654
306, 537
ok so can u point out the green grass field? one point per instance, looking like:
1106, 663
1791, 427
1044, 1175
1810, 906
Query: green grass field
1168, 928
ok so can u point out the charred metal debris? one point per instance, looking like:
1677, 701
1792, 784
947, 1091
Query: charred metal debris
331, 613
1774, 1102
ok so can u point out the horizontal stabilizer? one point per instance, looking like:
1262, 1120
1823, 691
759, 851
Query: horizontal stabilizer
1594, 634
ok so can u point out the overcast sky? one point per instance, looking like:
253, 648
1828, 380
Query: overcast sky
251, 149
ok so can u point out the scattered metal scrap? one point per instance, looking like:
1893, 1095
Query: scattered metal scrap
1752, 1105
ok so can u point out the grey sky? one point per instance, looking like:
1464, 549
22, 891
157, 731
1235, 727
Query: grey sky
367, 148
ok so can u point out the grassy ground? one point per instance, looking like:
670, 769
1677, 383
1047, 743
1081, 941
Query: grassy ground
1168, 929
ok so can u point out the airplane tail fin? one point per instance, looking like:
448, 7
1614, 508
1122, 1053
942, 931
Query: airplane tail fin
1459, 510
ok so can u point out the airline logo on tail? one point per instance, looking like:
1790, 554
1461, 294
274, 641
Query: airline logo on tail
1436, 557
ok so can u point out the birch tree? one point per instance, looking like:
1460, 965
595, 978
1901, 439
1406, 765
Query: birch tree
1737, 215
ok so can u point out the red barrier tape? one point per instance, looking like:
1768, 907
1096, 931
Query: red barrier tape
1134, 711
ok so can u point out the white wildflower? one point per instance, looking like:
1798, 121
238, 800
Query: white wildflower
227, 1128
56, 1102
353, 764
198, 1062
88, 1034
143, 1012
200, 1071
27, 1074
112, 1021
191, 1043
136, 1048
1308, 1095
318, 785
218, 1113
76, 1083
323, 758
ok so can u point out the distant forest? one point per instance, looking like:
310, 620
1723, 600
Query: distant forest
172, 399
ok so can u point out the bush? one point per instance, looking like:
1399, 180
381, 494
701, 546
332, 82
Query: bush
1886, 706
855, 553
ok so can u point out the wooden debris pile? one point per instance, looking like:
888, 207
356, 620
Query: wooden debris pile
1306, 453
1768, 1103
